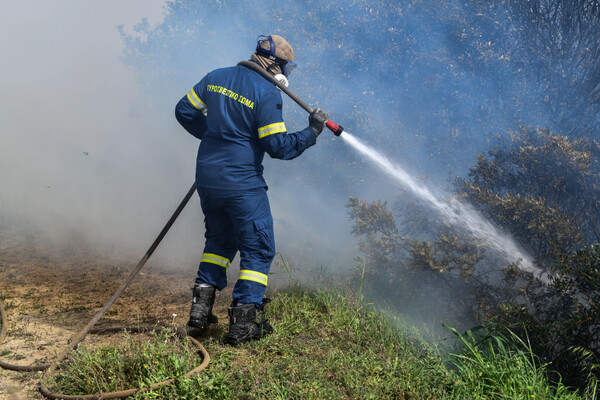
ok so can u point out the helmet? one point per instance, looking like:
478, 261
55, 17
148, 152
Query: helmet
277, 49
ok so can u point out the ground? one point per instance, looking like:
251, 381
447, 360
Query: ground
51, 292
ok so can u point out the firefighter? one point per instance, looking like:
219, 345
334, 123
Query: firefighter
237, 115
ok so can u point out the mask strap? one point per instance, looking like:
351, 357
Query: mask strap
271, 51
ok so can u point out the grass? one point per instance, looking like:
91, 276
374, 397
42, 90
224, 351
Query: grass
326, 345
136, 363
498, 364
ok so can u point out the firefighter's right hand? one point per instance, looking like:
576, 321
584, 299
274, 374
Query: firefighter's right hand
317, 120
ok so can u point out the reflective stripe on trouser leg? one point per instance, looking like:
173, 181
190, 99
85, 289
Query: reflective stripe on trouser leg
215, 259
254, 276
213, 270
250, 287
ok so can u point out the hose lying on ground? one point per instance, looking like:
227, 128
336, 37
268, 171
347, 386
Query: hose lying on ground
77, 338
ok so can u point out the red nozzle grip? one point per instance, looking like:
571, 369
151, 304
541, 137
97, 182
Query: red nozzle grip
335, 128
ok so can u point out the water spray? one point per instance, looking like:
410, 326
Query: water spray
453, 211
335, 128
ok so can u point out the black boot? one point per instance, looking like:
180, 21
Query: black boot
242, 323
202, 303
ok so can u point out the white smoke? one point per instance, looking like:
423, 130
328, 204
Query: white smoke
79, 148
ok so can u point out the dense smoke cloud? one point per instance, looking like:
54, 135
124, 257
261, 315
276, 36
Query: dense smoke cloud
77, 152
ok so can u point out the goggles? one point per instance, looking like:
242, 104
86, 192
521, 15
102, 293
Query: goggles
286, 66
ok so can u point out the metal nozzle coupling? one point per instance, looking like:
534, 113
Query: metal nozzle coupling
335, 128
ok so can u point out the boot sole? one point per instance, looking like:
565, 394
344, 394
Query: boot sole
194, 323
235, 341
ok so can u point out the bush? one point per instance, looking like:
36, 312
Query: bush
545, 190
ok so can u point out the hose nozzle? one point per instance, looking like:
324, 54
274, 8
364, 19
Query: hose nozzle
335, 128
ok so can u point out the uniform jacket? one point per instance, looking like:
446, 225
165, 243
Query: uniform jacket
237, 114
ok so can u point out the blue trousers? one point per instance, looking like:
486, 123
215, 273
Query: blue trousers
237, 220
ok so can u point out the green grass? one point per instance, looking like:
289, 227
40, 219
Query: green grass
326, 345
498, 364
135, 363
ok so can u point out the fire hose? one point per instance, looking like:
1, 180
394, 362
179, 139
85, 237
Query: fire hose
76, 339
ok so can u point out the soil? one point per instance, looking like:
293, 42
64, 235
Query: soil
51, 292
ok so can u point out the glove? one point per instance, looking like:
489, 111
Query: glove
317, 120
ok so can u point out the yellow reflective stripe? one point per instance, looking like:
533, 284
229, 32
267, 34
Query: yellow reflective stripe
193, 101
254, 276
215, 259
197, 98
196, 101
267, 130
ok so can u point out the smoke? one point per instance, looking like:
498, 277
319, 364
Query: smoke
79, 151
91, 153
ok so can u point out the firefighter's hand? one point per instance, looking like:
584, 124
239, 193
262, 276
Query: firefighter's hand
317, 120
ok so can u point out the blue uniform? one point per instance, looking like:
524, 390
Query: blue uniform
237, 114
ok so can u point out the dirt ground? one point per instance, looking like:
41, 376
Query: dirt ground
51, 292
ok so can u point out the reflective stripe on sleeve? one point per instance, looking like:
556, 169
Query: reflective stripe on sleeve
270, 129
196, 101
215, 259
254, 276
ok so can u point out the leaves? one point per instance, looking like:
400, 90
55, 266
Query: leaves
540, 186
